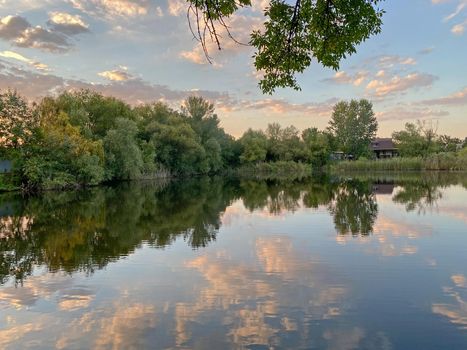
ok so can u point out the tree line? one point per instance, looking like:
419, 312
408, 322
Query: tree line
86, 138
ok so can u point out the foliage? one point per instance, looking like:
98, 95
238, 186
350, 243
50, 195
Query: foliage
416, 140
318, 146
254, 146
325, 30
354, 125
17, 120
275, 170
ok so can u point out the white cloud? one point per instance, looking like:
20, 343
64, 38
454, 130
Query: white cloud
21, 58
398, 84
120, 74
459, 29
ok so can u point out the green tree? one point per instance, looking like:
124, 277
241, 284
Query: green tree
59, 156
354, 125
17, 120
416, 140
254, 146
123, 157
317, 146
293, 34
284, 143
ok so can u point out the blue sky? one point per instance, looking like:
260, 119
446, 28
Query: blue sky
142, 50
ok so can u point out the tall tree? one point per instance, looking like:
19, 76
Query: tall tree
354, 125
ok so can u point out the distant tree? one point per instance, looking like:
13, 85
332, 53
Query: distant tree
124, 159
254, 146
354, 125
416, 140
284, 143
17, 120
449, 144
317, 146
294, 33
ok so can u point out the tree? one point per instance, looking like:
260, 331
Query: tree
58, 155
293, 34
124, 159
254, 146
354, 125
17, 120
416, 140
317, 146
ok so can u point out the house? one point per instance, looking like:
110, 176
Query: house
383, 188
5, 166
383, 148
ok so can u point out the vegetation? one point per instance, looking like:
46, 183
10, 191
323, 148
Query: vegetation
353, 125
294, 34
420, 148
83, 138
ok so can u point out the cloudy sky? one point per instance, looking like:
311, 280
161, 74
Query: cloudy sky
142, 50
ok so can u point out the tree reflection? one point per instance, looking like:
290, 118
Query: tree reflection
354, 208
86, 230
418, 196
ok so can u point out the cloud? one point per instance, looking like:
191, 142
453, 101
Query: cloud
389, 61
459, 29
343, 77
177, 7
34, 86
21, 58
12, 27
456, 99
67, 24
114, 8
120, 74
410, 113
20, 32
399, 84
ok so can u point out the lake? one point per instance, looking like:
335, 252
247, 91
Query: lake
352, 262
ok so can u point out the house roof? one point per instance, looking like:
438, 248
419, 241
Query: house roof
381, 144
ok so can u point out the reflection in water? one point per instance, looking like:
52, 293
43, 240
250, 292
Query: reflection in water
84, 231
230, 263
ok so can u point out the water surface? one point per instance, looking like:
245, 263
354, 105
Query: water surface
352, 263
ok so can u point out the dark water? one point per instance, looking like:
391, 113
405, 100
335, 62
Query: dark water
212, 263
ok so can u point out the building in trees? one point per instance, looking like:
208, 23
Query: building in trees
383, 148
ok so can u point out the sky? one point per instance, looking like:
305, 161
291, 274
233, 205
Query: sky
143, 51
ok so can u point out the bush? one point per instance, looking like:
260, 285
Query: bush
279, 169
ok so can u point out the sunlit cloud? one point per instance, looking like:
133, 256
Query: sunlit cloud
21, 58
113, 8
456, 99
120, 74
410, 112
67, 24
399, 84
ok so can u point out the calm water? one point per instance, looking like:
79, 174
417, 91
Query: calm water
211, 263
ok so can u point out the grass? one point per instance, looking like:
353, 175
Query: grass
440, 161
6, 183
